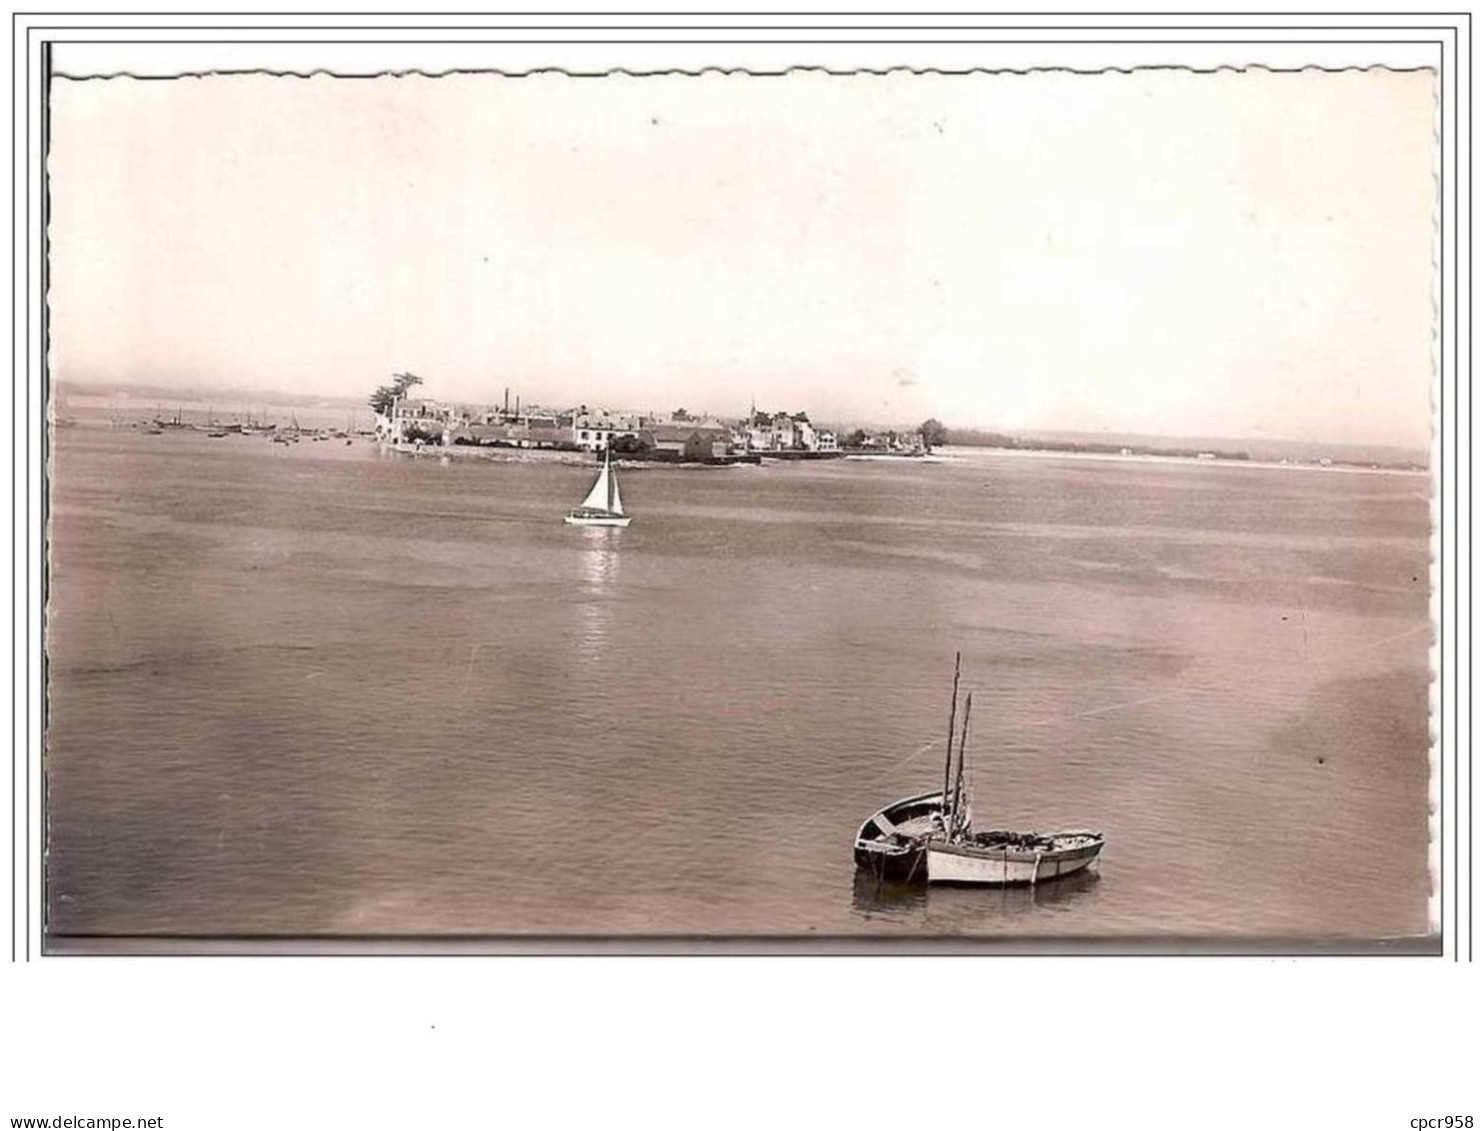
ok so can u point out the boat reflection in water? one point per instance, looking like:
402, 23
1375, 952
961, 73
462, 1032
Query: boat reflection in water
598, 580
957, 909
891, 901
599, 559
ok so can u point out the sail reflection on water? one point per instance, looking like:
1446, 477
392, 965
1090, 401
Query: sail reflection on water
599, 571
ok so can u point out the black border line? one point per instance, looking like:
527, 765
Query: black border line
1468, 557
874, 939
580, 945
789, 43
547, 14
1108, 19
1430, 946
755, 73
43, 585
1442, 312
28, 503
1442, 358
713, 27
16, 423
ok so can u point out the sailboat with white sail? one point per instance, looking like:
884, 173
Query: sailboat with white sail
603, 505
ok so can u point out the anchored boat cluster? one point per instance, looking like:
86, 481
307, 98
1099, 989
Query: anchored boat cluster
931, 837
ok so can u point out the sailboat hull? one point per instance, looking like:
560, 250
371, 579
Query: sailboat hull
998, 865
597, 520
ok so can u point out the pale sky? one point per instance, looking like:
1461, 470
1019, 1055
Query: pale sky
1231, 254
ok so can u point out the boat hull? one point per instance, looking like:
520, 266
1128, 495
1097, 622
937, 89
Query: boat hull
596, 520
902, 865
1002, 866
891, 842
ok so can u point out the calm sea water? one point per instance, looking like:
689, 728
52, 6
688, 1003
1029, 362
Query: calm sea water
325, 689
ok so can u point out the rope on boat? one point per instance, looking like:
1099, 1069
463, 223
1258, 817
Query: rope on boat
918, 753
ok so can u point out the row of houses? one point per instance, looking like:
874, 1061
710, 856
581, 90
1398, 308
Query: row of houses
682, 436
784, 432
887, 443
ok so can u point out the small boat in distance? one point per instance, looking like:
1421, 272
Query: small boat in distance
603, 505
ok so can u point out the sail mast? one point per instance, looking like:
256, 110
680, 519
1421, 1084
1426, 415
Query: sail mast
963, 745
608, 474
952, 712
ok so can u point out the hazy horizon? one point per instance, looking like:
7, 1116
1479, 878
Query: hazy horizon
1242, 256
241, 400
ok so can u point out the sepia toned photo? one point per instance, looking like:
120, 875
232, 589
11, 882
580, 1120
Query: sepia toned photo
849, 509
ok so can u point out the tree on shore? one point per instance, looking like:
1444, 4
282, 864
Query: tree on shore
933, 433
428, 434
628, 445
381, 400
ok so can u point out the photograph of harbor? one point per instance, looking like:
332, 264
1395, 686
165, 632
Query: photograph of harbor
984, 507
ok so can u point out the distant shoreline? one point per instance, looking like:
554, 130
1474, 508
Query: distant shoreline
957, 451
946, 453
89, 408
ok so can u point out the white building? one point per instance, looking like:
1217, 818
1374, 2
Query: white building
594, 431
409, 418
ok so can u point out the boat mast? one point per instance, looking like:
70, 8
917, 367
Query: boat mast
952, 711
963, 745
608, 475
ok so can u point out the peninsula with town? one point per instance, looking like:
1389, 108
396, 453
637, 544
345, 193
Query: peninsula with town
680, 436
405, 420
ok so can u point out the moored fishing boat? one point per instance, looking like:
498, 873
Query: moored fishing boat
1001, 857
930, 836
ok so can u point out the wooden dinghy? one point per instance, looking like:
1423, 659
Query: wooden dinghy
1000, 857
892, 841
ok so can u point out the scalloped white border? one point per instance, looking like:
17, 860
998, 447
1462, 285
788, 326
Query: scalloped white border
376, 54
